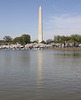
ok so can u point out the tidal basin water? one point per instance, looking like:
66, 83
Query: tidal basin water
40, 75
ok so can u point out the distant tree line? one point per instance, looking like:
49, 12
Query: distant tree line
24, 39
74, 39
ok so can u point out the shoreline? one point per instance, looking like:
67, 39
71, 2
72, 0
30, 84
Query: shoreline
76, 49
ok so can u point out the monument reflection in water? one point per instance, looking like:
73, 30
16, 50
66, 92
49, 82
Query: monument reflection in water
40, 69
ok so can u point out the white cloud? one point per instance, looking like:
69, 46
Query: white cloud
65, 24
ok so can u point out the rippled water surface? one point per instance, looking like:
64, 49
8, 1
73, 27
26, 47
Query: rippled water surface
40, 75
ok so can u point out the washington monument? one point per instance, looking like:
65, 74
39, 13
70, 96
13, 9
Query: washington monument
40, 34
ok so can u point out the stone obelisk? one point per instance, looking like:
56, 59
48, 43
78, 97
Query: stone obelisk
40, 37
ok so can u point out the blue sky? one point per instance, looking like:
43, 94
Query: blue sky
60, 17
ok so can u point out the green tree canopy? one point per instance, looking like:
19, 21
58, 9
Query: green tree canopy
75, 39
18, 40
7, 38
24, 39
57, 39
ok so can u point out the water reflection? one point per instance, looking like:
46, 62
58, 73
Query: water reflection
74, 54
29, 75
40, 69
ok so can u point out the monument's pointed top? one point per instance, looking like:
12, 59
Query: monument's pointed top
40, 7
